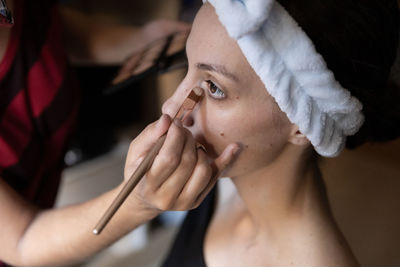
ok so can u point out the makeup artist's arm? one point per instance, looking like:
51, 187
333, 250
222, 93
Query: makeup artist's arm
179, 179
90, 40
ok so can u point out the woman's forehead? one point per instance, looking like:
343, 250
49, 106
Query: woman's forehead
209, 42
208, 31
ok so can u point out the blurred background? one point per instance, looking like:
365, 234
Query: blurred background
363, 184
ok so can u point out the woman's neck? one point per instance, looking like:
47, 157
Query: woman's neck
279, 207
284, 190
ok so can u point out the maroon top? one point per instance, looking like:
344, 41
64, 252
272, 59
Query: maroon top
38, 103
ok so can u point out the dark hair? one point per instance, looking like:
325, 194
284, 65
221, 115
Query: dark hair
358, 40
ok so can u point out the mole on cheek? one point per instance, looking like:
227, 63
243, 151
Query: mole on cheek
222, 134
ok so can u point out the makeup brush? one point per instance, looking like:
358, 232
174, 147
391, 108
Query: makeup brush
187, 106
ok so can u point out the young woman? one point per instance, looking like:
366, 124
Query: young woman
284, 80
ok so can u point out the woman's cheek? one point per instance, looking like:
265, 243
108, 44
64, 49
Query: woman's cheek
222, 137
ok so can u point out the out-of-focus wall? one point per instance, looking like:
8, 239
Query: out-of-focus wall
128, 11
364, 190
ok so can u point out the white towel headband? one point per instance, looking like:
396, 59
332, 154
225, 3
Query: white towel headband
293, 72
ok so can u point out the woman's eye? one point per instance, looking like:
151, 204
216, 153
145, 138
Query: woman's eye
214, 90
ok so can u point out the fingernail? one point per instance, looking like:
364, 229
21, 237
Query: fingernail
235, 150
200, 146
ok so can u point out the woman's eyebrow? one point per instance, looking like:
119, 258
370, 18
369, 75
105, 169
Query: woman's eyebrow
217, 68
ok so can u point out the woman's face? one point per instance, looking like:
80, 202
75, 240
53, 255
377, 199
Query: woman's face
236, 106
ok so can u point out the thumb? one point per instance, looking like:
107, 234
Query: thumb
218, 166
225, 159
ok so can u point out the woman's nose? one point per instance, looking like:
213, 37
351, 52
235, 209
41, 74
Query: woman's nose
171, 107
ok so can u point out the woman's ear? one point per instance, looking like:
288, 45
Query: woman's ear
297, 138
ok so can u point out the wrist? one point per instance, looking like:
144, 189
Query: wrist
136, 208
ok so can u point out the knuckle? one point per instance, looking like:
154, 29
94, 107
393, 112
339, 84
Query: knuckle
164, 204
204, 170
162, 160
173, 161
168, 161
189, 158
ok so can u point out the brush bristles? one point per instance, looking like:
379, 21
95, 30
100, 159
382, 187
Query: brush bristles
196, 94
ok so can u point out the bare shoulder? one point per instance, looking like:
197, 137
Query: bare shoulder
319, 244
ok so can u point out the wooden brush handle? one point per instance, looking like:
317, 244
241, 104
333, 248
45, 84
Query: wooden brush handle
140, 171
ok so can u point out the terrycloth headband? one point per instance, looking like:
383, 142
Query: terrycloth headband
293, 72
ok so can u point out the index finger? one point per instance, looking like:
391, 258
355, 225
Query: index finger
225, 159
149, 136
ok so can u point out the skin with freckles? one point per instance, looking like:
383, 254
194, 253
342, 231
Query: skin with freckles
276, 213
